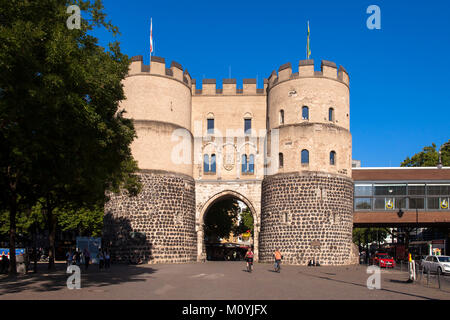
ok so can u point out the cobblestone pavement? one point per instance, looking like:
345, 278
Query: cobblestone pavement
216, 281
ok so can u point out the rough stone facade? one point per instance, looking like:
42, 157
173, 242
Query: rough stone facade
307, 216
164, 212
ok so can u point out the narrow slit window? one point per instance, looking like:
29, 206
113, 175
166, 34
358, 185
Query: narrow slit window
331, 114
305, 113
332, 158
305, 156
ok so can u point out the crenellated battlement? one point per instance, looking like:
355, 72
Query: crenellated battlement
306, 69
158, 67
229, 87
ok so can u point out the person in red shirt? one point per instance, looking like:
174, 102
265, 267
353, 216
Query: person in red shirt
249, 258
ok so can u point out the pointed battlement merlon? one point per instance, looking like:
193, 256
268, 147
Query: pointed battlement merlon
229, 87
306, 70
158, 67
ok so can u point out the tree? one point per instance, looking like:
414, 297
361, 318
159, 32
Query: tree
64, 140
429, 157
221, 219
246, 222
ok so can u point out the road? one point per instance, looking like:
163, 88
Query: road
216, 281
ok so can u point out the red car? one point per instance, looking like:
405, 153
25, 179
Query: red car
383, 260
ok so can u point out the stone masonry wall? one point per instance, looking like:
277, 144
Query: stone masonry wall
164, 213
307, 216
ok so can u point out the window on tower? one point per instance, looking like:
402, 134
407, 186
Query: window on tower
305, 156
331, 114
332, 158
305, 113
281, 117
280, 160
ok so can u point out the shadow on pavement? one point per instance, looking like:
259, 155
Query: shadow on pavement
365, 286
45, 281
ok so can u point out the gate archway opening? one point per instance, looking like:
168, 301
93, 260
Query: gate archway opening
227, 226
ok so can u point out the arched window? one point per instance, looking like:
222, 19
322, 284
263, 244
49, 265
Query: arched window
282, 116
206, 163
332, 158
305, 156
331, 114
280, 160
244, 163
213, 163
251, 164
305, 113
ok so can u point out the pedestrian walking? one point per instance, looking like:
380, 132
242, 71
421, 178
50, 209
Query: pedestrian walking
87, 258
69, 257
101, 260
107, 259
78, 257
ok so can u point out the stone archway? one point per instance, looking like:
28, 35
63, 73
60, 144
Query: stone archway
208, 204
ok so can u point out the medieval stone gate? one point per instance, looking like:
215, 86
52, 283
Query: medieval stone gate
209, 192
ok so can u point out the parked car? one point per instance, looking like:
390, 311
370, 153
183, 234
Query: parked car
439, 264
383, 260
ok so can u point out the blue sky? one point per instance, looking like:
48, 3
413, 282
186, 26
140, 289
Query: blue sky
400, 75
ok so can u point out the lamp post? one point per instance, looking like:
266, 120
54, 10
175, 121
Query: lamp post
400, 214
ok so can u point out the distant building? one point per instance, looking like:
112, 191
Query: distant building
356, 163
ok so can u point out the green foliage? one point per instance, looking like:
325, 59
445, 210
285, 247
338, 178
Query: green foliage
88, 222
221, 219
364, 236
429, 157
246, 222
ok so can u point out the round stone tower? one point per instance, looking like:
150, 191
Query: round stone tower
158, 224
307, 194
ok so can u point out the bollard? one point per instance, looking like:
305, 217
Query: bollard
439, 278
428, 277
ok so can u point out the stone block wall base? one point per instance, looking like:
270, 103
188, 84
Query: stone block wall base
307, 216
157, 226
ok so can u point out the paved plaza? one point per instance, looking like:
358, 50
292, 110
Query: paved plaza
216, 281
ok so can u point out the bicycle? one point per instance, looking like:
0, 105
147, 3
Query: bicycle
249, 265
277, 266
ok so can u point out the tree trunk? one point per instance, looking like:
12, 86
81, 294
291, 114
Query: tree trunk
12, 237
51, 237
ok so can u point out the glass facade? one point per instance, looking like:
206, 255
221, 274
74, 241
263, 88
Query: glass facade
406, 196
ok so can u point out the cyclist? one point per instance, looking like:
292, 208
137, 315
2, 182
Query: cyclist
278, 257
249, 258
